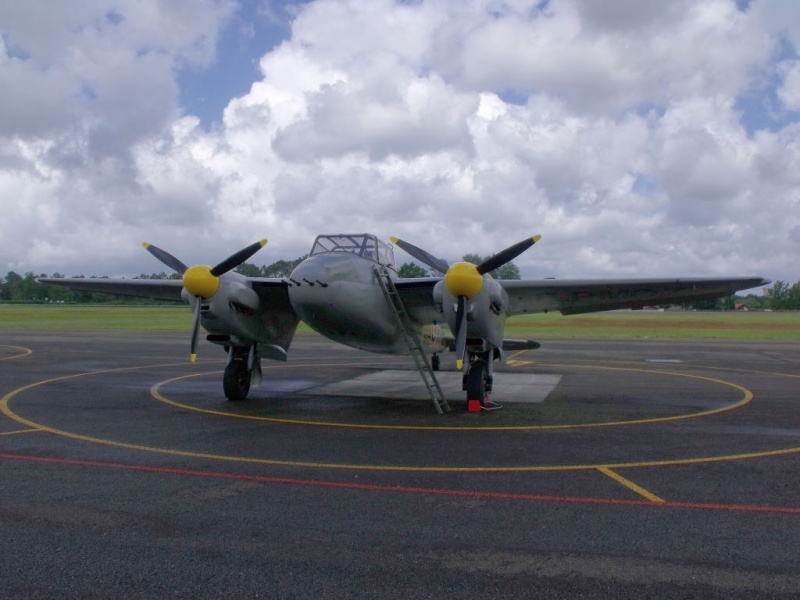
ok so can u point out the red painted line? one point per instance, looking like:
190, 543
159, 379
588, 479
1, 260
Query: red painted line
400, 488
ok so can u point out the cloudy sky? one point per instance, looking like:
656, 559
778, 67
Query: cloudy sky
639, 138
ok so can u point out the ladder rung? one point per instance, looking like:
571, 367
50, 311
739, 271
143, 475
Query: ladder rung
412, 340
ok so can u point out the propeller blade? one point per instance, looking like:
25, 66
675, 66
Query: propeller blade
195, 330
507, 255
461, 331
166, 258
437, 264
238, 258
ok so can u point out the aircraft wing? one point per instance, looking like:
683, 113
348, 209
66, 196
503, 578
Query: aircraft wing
272, 291
161, 289
278, 320
417, 296
575, 296
274, 296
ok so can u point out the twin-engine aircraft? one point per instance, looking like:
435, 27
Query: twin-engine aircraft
348, 291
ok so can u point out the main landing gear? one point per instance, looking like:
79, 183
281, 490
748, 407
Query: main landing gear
478, 383
243, 366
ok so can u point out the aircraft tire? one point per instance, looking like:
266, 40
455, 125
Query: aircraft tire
236, 380
476, 382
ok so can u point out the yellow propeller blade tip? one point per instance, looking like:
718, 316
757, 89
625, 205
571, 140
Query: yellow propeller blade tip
459, 364
394, 240
193, 357
536, 238
145, 245
262, 242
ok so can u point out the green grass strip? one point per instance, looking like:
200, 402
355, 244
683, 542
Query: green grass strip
613, 325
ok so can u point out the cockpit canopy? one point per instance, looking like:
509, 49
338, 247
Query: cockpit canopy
365, 245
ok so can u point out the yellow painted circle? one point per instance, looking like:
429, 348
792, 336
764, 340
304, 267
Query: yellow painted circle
7, 411
22, 352
747, 397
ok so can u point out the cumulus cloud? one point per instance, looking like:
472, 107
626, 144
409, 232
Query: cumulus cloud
615, 129
789, 90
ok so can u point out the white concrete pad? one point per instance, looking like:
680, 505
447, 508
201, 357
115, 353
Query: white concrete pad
508, 387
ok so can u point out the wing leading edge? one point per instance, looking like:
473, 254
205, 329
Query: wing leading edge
576, 296
278, 319
160, 289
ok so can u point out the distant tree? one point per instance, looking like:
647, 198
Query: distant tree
754, 302
11, 285
507, 271
783, 296
59, 294
702, 304
412, 270
29, 290
281, 268
725, 303
475, 259
249, 270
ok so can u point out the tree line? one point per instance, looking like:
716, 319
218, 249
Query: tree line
16, 288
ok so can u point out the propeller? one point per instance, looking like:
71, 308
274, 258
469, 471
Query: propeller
464, 281
195, 331
507, 255
421, 255
166, 258
202, 281
461, 331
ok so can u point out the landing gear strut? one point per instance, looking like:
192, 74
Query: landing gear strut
243, 367
478, 381
475, 382
236, 380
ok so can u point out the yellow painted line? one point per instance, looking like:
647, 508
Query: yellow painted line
6, 410
519, 363
513, 357
155, 392
603, 467
385, 468
754, 371
20, 431
747, 397
629, 484
361, 467
25, 352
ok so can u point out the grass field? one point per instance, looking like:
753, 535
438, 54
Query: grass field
620, 325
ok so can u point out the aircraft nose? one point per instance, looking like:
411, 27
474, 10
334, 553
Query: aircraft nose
199, 281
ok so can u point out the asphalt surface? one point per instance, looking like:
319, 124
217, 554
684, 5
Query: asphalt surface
652, 469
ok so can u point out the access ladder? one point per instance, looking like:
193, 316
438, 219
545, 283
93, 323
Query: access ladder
412, 339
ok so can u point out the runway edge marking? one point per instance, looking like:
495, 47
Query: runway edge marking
792, 510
